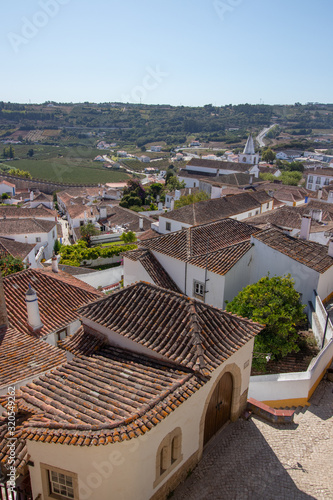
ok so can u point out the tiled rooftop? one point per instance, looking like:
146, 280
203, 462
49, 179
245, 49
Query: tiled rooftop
222, 165
219, 208
15, 248
155, 270
197, 240
110, 396
222, 261
59, 295
25, 226
183, 330
309, 253
12, 212
22, 356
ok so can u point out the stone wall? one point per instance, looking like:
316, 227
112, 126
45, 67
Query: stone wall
47, 187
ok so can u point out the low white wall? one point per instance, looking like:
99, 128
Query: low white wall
291, 386
102, 278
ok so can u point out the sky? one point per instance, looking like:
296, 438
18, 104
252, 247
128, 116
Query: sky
178, 52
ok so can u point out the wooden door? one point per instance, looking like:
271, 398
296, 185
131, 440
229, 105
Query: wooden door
219, 407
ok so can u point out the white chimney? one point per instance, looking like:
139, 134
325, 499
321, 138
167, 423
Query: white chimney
85, 216
172, 204
317, 214
251, 179
31, 196
330, 247
305, 227
160, 205
102, 212
34, 322
141, 223
320, 194
177, 194
55, 263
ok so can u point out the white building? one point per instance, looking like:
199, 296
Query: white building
139, 411
319, 178
249, 155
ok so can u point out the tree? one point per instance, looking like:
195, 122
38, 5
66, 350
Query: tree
268, 155
87, 231
174, 183
129, 237
20, 173
56, 246
135, 188
30, 153
5, 196
10, 265
191, 198
291, 178
275, 303
155, 189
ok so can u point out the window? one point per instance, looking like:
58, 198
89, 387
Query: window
318, 180
61, 335
327, 182
198, 289
194, 184
53, 234
309, 186
267, 206
310, 178
59, 484
38, 239
168, 226
169, 455
257, 211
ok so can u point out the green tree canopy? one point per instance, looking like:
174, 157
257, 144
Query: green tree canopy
268, 155
275, 303
128, 237
10, 265
87, 231
174, 183
191, 198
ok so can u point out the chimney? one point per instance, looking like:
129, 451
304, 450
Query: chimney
3, 309
330, 247
317, 214
251, 179
34, 322
102, 212
141, 223
31, 196
320, 194
55, 263
177, 194
305, 227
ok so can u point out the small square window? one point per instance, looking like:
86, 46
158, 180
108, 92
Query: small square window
198, 289
38, 239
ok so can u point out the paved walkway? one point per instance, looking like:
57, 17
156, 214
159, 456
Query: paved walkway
256, 460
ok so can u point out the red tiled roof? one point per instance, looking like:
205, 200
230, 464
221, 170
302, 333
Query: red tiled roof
197, 240
183, 330
59, 295
25, 226
219, 208
153, 267
222, 261
309, 253
13, 212
15, 248
22, 356
219, 164
111, 396
81, 342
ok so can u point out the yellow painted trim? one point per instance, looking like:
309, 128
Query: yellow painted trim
282, 403
315, 385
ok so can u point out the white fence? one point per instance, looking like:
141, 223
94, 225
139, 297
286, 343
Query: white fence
291, 388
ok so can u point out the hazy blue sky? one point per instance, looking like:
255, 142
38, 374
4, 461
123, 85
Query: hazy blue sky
190, 52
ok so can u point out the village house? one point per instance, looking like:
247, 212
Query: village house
147, 388
319, 178
214, 261
237, 207
42, 233
215, 168
292, 196
7, 187
311, 221
40, 213
23, 251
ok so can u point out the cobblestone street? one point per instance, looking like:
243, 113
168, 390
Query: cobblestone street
257, 460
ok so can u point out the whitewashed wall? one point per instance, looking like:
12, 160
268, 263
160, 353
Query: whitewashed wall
127, 470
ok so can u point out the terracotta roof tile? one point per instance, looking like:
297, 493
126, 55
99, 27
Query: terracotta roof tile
25, 213
58, 297
155, 270
197, 240
15, 248
183, 330
22, 357
309, 253
219, 208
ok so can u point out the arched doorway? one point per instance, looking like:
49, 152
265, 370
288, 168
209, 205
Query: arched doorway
219, 407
